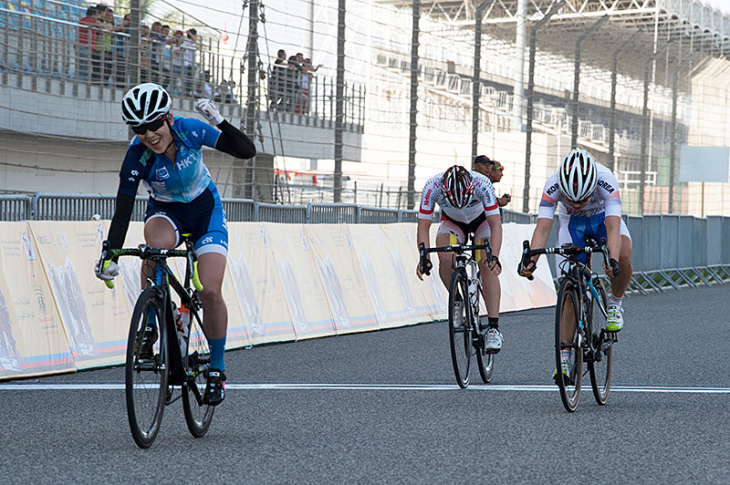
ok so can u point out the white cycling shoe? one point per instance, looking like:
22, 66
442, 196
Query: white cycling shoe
615, 320
494, 341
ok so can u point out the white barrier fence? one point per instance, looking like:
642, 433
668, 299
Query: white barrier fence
284, 282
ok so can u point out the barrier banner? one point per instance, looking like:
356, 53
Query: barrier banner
256, 285
32, 337
95, 318
305, 294
524, 293
380, 274
341, 274
419, 298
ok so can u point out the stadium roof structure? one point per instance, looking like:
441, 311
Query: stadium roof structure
668, 30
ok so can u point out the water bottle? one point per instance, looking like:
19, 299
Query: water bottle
182, 325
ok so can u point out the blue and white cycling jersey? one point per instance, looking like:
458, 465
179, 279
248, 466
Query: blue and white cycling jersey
181, 181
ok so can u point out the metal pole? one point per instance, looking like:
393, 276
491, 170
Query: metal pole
645, 126
339, 101
520, 35
134, 23
530, 88
476, 81
576, 79
414, 105
612, 122
252, 105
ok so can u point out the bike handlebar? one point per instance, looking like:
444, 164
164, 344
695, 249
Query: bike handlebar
569, 250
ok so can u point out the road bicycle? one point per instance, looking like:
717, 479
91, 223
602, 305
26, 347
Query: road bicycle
465, 336
165, 353
581, 299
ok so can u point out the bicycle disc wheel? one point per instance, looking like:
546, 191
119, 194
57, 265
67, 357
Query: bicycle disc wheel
146, 368
198, 416
569, 383
600, 366
460, 330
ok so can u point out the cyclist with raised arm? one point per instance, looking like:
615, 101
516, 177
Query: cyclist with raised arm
166, 155
468, 206
590, 205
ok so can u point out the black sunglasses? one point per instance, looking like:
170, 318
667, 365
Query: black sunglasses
152, 126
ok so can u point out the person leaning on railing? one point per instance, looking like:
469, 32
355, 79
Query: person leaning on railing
167, 157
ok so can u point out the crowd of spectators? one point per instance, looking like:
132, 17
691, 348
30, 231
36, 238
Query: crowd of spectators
290, 83
166, 58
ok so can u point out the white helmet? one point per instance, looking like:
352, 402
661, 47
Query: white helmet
577, 176
145, 103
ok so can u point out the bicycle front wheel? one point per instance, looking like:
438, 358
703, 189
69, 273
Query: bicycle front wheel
568, 376
600, 365
146, 368
460, 329
198, 416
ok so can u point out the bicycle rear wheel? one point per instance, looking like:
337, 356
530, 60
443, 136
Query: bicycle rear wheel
146, 368
460, 329
600, 365
198, 416
570, 382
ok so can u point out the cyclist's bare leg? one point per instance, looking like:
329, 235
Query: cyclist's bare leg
445, 259
620, 283
212, 268
158, 233
491, 288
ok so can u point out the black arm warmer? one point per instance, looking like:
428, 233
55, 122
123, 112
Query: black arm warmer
120, 221
234, 142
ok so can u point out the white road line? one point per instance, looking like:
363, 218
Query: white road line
373, 387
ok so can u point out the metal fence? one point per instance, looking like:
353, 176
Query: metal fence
668, 250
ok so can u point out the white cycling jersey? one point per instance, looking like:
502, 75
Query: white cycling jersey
483, 200
605, 198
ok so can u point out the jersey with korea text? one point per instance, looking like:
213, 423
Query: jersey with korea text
606, 198
483, 200
181, 181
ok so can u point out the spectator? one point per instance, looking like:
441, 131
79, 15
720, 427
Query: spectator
190, 46
307, 75
144, 53
277, 81
87, 40
177, 63
103, 42
108, 36
157, 46
122, 50
293, 85
206, 89
493, 170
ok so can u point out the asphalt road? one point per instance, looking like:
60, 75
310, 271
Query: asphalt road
383, 407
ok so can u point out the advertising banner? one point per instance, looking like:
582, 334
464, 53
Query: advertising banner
305, 293
32, 337
256, 285
341, 274
95, 318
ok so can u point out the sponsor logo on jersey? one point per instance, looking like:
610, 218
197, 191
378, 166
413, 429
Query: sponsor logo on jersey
162, 173
606, 186
186, 161
206, 240
427, 198
551, 190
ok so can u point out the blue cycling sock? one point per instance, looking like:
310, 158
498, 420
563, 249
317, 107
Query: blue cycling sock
217, 351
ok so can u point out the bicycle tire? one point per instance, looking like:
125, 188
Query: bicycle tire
198, 416
146, 370
570, 385
460, 329
600, 370
485, 360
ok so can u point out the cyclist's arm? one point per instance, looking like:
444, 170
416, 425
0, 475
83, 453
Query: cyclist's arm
541, 234
613, 230
234, 142
423, 232
120, 221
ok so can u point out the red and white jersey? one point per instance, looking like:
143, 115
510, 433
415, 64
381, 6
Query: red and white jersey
483, 200
605, 198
